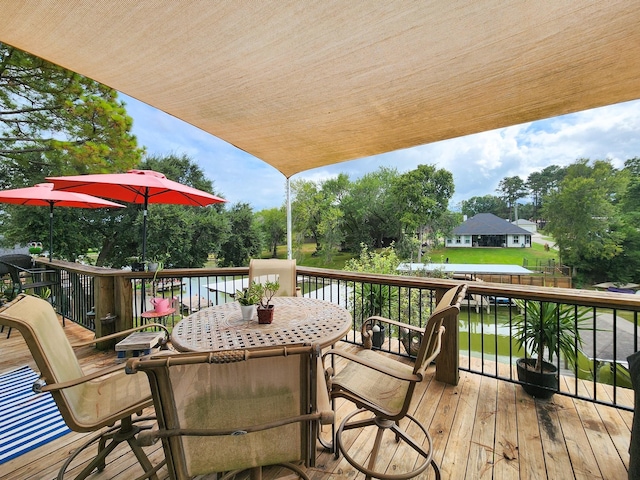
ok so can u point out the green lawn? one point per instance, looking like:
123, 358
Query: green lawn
508, 256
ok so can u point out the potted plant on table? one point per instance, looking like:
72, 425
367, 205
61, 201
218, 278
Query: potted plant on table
551, 329
248, 298
265, 307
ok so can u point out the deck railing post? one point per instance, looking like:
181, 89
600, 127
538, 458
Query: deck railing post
448, 360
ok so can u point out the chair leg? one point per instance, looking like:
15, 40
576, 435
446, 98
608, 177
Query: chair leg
381, 425
124, 431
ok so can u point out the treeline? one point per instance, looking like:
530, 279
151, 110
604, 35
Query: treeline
375, 210
590, 208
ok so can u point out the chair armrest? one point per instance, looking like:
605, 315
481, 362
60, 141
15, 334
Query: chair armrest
367, 328
436, 351
39, 388
379, 368
123, 333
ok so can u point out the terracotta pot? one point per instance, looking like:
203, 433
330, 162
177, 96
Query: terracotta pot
265, 315
537, 384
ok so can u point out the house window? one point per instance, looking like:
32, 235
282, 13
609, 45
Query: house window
467, 240
515, 239
458, 239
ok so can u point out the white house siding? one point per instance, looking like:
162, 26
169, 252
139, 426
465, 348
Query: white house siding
513, 241
460, 241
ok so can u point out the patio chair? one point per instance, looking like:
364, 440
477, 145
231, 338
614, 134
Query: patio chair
384, 387
89, 402
228, 411
272, 269
21, 267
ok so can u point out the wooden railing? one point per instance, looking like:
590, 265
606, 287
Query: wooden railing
484, 328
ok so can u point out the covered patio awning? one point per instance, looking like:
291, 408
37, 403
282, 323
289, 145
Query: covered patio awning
301, 84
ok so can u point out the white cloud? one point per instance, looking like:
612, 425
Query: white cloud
478, 162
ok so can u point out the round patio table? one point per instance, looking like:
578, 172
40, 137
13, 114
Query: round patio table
296, 320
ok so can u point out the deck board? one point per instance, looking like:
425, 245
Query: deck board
480, 428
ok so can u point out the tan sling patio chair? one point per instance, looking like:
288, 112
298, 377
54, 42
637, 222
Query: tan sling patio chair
272, 269
384, 387
87, 403
228, 411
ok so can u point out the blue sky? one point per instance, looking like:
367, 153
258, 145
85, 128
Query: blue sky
478, 162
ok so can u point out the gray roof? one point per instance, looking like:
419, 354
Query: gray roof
488, 224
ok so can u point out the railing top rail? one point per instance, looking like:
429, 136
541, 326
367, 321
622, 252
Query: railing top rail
591, 298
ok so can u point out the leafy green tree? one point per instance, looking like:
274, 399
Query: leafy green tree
53, 121
421, 197
244, 239
273, 223
313, 211
512, 189
306, 210
485, 204
370, 214
541, 184
583, 216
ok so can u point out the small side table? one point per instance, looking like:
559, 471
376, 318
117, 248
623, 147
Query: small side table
153, 315
138, 343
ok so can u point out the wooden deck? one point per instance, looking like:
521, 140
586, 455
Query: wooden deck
482, 428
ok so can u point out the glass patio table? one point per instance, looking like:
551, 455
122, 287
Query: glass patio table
296, 320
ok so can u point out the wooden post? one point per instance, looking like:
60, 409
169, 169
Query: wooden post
123, 301
103, 294
448, 361
113, 296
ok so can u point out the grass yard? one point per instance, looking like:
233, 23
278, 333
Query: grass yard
508, 256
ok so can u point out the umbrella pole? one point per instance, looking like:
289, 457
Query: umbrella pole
144, 225
50, 229
289, 243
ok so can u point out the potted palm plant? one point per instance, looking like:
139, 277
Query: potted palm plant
265, 307
248, 298
546, 328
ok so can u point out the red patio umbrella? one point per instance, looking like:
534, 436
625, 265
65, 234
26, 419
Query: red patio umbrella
43, 194
136, 186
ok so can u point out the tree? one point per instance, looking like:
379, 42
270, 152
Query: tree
512, 189
422, 197
53, 121
314, 210
370, 214
244, 239
273, 223
541, 184
485, 204
583, 216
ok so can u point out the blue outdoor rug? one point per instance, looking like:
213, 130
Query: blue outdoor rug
27, 419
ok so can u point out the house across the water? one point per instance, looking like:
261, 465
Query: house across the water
488, 230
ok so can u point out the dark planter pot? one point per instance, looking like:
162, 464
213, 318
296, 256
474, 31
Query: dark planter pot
137, 267
538, 385
378, 337
265, 315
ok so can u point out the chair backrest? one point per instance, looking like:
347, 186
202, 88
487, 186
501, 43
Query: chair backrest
448, 305
229, 394
86, 406
271, 269
15, 262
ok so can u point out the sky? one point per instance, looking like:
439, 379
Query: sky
478, 162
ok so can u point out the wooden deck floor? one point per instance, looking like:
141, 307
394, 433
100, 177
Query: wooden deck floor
482, 428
